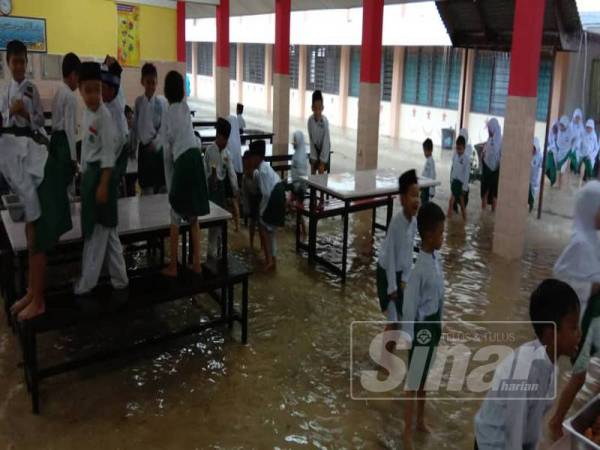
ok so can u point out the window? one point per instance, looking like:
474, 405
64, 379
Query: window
205, 59
51, 67
387, 71
354, 81
188, 57
294, 65
323, 69
233, 61
543, 94
490, 82
254, 63
432, 77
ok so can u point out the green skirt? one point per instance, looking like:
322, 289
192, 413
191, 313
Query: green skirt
489, 182
382, 291
60, 151
189, 193
426, 339
574, 163
551, 168
55, 217
587, 163
274, 214
93, 213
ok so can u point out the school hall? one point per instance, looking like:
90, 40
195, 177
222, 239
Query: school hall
285, 224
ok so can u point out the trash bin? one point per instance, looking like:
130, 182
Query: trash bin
447, 138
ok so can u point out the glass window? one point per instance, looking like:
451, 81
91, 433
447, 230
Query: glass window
232, 61
323, 69
254, 63
205, 59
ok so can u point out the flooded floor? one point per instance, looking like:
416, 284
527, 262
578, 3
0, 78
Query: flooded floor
289, 387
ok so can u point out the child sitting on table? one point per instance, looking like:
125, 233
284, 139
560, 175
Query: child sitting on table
422, 311
512, 414
459, 178
40, 179
272, 203
299, 171
428, 193
250, 197
184, 172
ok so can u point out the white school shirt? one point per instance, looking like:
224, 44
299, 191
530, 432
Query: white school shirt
241, 121
318, 134
505, 424
222, 163
147, 119
429, 172
117, 113
396, 254
64, 116
461, 168
100, 142
267, 180
592, 342
28, 92
22, 164
424, 293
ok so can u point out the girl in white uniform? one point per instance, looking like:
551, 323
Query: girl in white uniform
234, 149
492, 153
536, 173
565, 143
587, 152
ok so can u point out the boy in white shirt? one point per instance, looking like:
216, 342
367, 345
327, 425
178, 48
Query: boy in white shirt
239, 111
459, 178
427, 194
318, 134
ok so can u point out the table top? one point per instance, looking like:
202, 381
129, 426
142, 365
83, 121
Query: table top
363, 183
269, 150
136, 215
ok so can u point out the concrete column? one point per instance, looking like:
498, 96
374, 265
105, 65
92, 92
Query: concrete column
397, 86
370, 85
466, 84
302, 81
268, 77
344, 84
281, 78
195, 69
180, 31
240, 71
559, 87
221, 68
519, 126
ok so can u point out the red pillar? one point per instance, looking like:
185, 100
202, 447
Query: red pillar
181, 31
281, 77
222, 60
519, 129
370, 85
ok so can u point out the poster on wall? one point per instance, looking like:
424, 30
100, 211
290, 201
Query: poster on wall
31, 31
128, 35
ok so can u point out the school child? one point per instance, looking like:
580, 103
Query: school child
536, 173
565, 142
588, 150
578, 131
234, 147
99, 215
272, 203
250, 197
512, 418
550, 169
184, 170
492, 153
459, 178
40, 179
318, 134
427, 194
422, 311
239, 111
299, 172
221, 177
20, 104
145, 134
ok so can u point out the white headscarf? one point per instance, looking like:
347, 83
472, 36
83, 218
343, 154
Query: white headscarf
589, 142
300, 159
493, 146
564, 141
553, 136
536, 166
578, 129
234, 144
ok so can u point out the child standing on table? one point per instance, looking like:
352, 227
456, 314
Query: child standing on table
145, 134
221, 177
184, 170
40, 179
272, 203
299, 171
250, 196
459, 178
513, 418
422, 312
99, 216
239, 111
428, 193
20, 104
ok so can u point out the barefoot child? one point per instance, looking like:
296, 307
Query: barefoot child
184, 170
99, 216
512, 418
459, 178
299, 173
492, 152
422, 311
251, 197
40, 180
234, 148
427, 194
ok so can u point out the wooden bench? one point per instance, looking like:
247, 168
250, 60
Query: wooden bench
146, 290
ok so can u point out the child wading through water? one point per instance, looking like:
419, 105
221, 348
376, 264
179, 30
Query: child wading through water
459, 179
427, 194
492, 152
422, 313
184, 172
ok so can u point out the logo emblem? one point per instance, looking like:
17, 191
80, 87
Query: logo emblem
424, 337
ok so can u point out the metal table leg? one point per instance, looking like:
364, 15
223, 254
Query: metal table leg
312, 225
345, 241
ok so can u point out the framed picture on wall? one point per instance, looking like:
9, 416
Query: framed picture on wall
30, 30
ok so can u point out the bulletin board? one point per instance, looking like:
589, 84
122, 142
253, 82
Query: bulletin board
128, 35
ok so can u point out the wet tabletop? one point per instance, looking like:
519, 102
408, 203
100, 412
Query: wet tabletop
363, 183
269, 149
136, 214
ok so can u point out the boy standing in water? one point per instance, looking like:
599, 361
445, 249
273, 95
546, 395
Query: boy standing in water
427, 194
459, 179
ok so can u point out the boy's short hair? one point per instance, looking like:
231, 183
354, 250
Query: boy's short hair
317, 96
551, 301
246, 155
111, 75
174, 89
406, 180
428, 145
70, 63
14, 48
429, 216
149, 70
239, 107
223, 128
258, 148
461, 141
89, 71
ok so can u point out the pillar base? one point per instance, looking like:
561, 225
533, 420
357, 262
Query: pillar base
515, 167
281, 113
368, 126
222, 91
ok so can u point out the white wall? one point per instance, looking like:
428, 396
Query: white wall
233, 91
418, 123
478, 128
205, 87
254, 95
